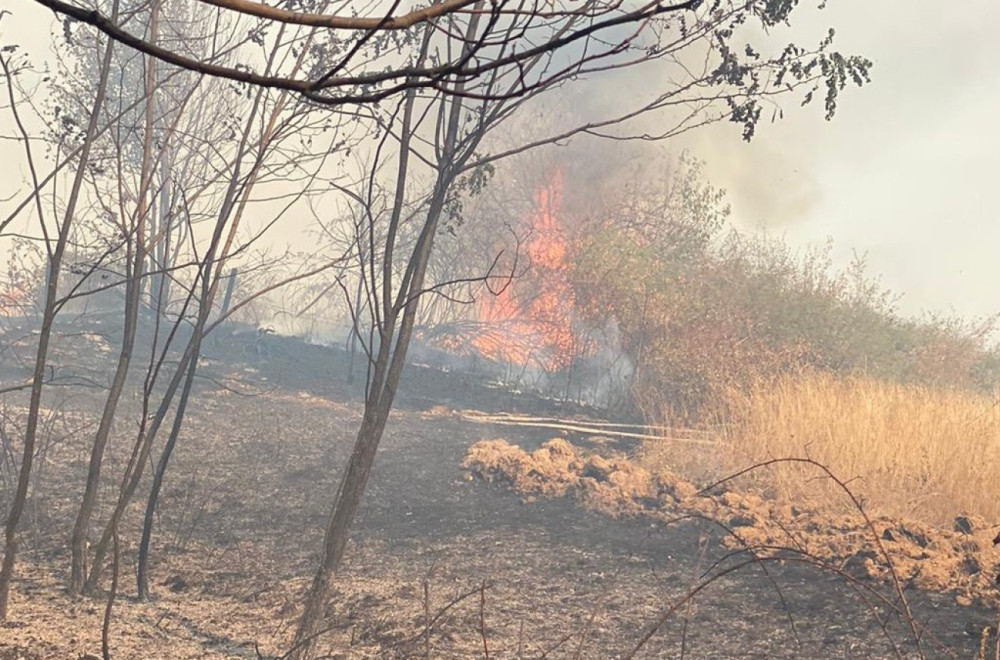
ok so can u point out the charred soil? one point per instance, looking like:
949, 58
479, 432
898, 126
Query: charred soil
442, 564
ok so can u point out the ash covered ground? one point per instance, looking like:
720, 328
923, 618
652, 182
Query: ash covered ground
442, 564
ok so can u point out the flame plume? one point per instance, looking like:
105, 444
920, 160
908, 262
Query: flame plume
531, 321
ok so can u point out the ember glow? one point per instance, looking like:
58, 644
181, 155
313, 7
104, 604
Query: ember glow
531, 320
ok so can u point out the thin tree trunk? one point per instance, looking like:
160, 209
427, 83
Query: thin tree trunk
378, 405
131, 481
21, 493
48, 318
352, 344
110, 604
387, 371
352, 487
227, 299
142, 579
144, 443
355, 477
210, 279
133, 294
160, 285
78, 543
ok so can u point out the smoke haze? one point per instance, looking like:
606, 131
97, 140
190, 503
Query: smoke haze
903, 173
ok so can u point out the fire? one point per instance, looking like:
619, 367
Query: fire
531, 320
13, 301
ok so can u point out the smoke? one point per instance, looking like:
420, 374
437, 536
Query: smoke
771, 182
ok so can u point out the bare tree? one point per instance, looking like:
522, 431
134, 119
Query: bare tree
459, 116
135, 264
138, 127
132, 118
275, 124
57, 248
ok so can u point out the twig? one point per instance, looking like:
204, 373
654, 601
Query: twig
441, 612
106, 627
482, 620
309, 640
897, 605
427, 620
856, 503
585, 632
562, 640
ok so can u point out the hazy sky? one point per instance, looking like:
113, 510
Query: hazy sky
903, 173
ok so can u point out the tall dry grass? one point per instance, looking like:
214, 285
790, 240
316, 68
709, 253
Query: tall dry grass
914, 452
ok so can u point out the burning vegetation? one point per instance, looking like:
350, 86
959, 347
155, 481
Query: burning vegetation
530, 320
654, 304
265, 276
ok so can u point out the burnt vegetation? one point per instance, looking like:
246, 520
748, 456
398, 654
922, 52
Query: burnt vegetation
288, 289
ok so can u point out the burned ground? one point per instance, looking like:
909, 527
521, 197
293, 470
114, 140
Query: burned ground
240, 526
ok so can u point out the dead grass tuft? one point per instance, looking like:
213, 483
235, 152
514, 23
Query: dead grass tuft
613, 485
551, 470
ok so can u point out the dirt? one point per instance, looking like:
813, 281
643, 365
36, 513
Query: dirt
441, 565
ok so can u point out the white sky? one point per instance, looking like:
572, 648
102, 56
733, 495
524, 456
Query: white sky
904, 172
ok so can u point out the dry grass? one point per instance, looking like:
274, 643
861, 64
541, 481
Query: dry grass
914, 452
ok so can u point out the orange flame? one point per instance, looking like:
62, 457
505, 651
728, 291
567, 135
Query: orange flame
13, 301
532, 319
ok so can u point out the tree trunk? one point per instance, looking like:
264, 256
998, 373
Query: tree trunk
210, 279
142, 579
48, 318
131, 480
160, 283
227, 298
21, 493
133, 297
400, 309
352, 487
388, 370
78, 542
352, 343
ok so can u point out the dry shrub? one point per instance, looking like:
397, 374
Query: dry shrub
702, 308
914, 452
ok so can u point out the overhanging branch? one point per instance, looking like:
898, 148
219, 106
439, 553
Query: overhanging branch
325, 90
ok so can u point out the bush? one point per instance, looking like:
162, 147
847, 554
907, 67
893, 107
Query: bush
703, 309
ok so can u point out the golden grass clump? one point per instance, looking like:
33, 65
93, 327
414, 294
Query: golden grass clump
613, 485
913, 452
551, 470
